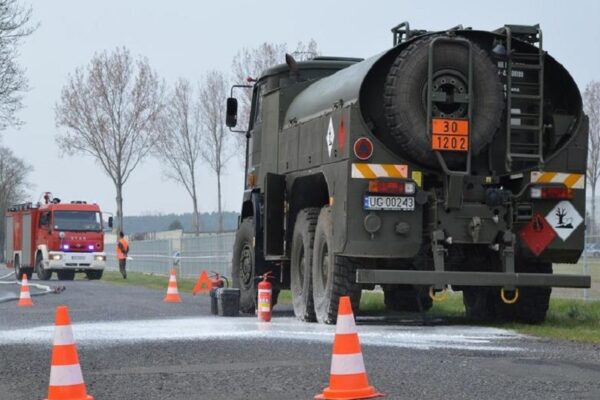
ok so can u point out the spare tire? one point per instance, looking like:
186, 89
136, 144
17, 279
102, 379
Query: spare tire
405, 98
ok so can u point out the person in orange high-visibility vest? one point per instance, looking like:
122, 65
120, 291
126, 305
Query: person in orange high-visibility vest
122, 251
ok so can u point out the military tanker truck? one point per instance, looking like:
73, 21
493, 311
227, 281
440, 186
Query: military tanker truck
456, 159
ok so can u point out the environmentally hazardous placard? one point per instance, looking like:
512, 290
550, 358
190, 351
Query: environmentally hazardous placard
564, 219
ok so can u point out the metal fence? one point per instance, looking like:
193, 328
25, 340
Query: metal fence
211, 252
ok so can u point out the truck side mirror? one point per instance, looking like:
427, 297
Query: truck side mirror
110, 222
231, 114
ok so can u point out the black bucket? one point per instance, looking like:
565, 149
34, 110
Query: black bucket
228, 302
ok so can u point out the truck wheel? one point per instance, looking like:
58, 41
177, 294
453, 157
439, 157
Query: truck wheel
480, 303
333, 276
301, 264
94, 274
42, 273
406, 298
66, 275
405, 98
242, 267
532, 304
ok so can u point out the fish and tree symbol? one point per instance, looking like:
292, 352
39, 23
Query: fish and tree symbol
564, 222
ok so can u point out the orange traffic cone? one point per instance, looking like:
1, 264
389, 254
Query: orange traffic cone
172, 291
25, 296
66, 379
203, 285
348, 377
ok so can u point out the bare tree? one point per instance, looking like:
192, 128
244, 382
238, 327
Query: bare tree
216, 150
14, 27
13, 176
110, 110
591, 98
249, 64
179, 141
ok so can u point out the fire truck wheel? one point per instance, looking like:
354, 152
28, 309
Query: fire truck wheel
333, 276
242, 266
66, 275
407, 298
301, 264
94, 274
40, 271
480, 303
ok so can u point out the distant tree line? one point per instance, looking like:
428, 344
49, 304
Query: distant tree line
119, 111
164, 222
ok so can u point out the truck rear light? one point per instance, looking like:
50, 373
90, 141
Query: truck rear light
392, 187
363, 148
551, 193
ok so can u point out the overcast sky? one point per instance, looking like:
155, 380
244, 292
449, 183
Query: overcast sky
186, 38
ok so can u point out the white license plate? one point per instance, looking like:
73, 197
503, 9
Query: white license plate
393, 203
78, 258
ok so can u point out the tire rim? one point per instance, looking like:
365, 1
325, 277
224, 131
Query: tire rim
451, 83
246, 265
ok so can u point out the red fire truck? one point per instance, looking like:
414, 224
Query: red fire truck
51, 236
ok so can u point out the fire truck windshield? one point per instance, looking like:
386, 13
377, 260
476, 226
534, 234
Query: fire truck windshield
77, 221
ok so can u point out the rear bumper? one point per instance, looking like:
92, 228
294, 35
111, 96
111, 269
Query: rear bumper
76, 261
433, 278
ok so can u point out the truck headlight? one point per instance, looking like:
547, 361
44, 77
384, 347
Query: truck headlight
56, 257
100, 258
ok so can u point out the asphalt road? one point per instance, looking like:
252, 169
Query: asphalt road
134, 346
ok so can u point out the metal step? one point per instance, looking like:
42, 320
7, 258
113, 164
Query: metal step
525, 156
525, 96
521, 66
535, 128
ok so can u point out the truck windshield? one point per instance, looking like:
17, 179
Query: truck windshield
77, 221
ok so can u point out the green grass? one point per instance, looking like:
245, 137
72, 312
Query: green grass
567, 319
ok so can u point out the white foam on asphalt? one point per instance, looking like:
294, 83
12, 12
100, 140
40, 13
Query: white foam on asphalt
416, 337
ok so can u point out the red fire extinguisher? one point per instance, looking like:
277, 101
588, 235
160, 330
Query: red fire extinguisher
265, 293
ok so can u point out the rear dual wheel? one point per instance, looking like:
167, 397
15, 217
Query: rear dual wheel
484, 303
332, 276
20, 271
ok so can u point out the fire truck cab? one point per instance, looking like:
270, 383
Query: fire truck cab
55, 237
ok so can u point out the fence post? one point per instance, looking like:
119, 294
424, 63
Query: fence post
586, 269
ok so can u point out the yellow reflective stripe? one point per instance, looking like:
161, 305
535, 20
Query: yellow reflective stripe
365, 171
546, 177
572, 180
391, 170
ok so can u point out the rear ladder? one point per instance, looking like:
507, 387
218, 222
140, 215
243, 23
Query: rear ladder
524, 97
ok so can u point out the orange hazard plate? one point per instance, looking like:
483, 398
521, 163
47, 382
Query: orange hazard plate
449, 134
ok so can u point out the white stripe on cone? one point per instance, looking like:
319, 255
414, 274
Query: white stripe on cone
63, 335
345, 324
65, 375
172, 290
25, 295
347, 364
172, 278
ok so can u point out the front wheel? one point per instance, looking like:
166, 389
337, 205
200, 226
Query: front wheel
66, 275
333, 276
42, 273
93, 275
242, 266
